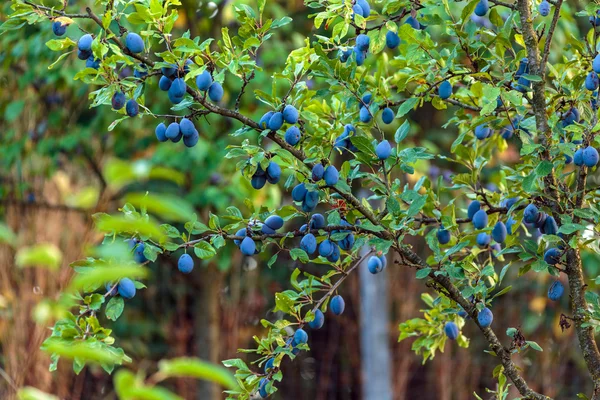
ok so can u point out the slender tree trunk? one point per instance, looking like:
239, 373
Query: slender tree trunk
376, 364
208, 327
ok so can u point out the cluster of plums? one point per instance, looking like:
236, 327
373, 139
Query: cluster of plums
274, 120
328, 248
247, 245
133, 42
300, 337
387, 114
176, 131
485, 317
271, 174
328, 174
591, 80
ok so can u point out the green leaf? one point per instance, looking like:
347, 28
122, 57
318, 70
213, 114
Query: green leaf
114, 308
204, 250
534, 345
299, 254
544, 168
283, 303
41, 255
423, 273
402, 131
406, 107
166, 206
198, 369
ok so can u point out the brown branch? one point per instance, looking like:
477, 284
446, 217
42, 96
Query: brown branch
551, 33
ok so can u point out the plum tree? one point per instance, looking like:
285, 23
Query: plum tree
536, 207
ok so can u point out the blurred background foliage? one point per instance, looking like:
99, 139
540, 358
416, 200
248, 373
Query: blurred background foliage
59, 164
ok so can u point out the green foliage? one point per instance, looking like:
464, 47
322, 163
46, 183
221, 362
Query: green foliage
495, 92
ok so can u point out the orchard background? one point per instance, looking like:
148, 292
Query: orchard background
483, 200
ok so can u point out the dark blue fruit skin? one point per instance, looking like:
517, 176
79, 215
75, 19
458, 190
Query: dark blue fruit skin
364, 115
550, 226
367, 97
482, 132
185, 263
485, 317
473, 208
92, 62
273, 172
264, 120
331, 175
192, 140
266, 229
445, 90
138, 250
552, 256
274, 222
387, 116
592, 81
356, 10
275, 122
132, 108
204, 80
412, 21
248, 247
590, 156
58, 28
317, 221
292, 135
187, 127
499, 232
173, 130
319, 320
531, 213
310, 201
480, 219
126, 288
164, 83
509, 224
556, 290
544, 8
134, 43
326, 248
374, 265
85, 43
347, 243
161, 132
309, 243
383, 150
299, 192
366, 8
177, 89
169, 71
451, 330
483, 239
481, 8
118, 100
140, 72
443, 235
215, 92
241, 232
84, 54
596, 64
317, 172
270, 364
300, 337
337, 305
262, 388
258, 181
335, 256
392, 40
578, 157
360, 56
363, 42
290, 114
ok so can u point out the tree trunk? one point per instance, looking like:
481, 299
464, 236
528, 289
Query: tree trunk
376, 364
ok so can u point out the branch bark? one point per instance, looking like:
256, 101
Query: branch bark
574, 270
